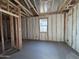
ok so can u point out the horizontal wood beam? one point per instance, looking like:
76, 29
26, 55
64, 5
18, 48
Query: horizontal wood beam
36, 6
63, 5
12, 4
23, 7
27, 3
33, 7
42, 14
7, 12
24, 13
67, 5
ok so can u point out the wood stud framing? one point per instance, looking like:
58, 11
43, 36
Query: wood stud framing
67, 5
32, 7
2, 32
12, 12
12, 31
23, 7
9, 13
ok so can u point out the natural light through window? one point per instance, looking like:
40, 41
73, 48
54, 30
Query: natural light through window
43, 25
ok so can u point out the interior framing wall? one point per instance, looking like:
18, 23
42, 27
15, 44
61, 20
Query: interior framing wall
14, 44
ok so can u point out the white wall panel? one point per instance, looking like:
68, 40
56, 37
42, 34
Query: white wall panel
50, 28
30, 28
33, 28
62, 28
24, 28
59, 27
36, 28
54, 27
70, 29
74, 27
66, 28
43, 36
77, 42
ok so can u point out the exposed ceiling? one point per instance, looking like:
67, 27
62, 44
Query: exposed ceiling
56, 6
28, 6
48, 6
37, 7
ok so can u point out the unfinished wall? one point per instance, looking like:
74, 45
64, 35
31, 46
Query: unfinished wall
24, 27
55, 28
33, 28
72, 28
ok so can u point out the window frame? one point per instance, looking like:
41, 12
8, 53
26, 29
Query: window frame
47, 25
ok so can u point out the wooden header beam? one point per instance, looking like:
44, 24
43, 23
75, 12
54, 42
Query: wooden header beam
7, 12
42, 14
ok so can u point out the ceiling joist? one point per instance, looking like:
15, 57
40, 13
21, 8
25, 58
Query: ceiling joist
23, 7
7, 12
24, 13
33, 6
67, 5
12, 4
63, 5
27, 3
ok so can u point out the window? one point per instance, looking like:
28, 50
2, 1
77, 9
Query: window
43, 25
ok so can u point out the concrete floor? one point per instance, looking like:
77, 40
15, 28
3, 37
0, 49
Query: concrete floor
44, 50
